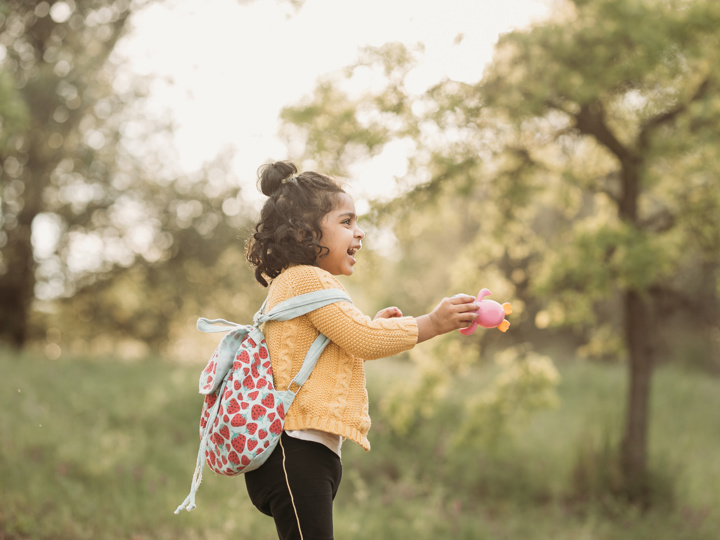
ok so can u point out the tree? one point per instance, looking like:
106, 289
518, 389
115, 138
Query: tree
588, 151
61, 160
190, 262
632, 86
94, 217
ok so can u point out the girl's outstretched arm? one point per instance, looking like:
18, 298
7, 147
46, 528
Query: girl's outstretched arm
451, 314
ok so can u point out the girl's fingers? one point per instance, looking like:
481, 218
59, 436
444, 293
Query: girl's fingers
462, 299
389, 313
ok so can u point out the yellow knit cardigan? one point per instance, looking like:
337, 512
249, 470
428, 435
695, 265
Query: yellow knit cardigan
334, 398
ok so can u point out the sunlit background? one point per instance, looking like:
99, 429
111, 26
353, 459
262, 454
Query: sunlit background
561, 153
225, 68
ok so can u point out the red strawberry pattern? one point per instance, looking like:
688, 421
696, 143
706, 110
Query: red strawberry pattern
276, 427
249, 418
257, 412
233, 407
238, 443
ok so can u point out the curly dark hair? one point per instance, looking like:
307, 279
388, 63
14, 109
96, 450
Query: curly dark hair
289, 228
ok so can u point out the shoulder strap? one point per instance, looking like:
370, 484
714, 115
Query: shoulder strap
285, 310
294, 307
215, 325
300, 305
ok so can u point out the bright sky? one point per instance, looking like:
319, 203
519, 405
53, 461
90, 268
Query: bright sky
234, 64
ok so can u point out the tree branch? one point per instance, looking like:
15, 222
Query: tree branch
669, 116
590, 120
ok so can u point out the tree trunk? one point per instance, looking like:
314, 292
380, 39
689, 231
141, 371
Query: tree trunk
638, 324
633, 451
17, 285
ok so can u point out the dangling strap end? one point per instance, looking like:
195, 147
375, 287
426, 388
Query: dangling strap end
188, 504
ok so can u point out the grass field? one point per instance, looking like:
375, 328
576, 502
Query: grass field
100, 449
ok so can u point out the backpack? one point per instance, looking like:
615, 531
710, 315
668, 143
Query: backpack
243, 413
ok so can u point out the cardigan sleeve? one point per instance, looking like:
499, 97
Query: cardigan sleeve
348, 327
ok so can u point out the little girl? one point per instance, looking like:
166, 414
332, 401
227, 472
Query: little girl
308, 233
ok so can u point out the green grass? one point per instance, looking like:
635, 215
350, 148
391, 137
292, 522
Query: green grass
101, 449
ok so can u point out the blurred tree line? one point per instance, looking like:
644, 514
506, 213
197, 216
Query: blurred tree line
578, 180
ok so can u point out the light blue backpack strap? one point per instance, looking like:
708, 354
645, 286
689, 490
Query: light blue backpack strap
294, 307
189, 502
215, 325
301, 304
311, 358
225, 352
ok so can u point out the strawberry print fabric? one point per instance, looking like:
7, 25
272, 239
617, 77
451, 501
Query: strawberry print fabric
249, 417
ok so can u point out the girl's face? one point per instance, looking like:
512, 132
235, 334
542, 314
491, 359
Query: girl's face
341, 235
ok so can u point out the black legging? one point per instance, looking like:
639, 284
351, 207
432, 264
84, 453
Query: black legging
313, 476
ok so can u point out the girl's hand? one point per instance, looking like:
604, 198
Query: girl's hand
451, 314
388, 313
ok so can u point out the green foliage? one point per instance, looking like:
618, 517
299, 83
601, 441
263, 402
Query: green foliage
104, 244
578, 179
583, 162
196, 267
525, 386
358, 126
62, 160
96, 448
13, 110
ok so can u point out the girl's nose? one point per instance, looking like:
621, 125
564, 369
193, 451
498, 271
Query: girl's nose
359, 233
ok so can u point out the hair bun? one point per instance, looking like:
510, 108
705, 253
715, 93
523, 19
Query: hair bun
271, 175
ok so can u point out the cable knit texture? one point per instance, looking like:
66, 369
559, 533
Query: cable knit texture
334, 398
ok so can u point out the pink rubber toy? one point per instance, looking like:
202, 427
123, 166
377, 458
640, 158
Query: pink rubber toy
490, 314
